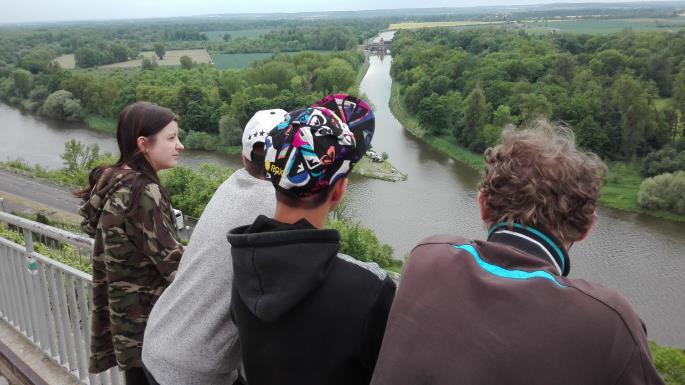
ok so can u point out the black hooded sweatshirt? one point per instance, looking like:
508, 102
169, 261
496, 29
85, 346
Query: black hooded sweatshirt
305, 313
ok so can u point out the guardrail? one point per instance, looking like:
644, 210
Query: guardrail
47, 301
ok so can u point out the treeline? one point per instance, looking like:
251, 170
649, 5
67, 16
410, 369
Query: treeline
209, 101
101, 44
624, 94
329, 37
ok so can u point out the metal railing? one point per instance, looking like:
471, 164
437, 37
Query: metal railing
47, 301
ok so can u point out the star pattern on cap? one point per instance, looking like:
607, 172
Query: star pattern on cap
255, 134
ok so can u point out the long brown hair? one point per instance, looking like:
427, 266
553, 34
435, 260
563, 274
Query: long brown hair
135, 120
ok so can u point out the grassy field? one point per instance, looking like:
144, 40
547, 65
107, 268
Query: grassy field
101, 124
249, 33
171, 58
622, 188
438, 24
66, 61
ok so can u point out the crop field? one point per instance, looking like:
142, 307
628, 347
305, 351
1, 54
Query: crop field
242, 60
249, 33
608, 26
66, 61
438, 24
238, 60
601, 26
171, 58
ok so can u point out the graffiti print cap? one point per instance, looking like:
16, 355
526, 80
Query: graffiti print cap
315, 147
257, 129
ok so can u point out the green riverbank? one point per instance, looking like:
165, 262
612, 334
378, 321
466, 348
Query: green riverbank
620, 191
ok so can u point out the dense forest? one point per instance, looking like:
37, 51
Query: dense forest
623, 94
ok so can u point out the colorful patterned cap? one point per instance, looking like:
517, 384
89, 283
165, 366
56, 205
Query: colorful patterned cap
356, 113
314, 148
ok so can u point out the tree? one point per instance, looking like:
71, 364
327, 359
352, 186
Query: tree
78, 157
38, 59
227, 37
62, 105
433, 114
160, 51
627, 95
186, 62
679, 100
502, 116
119, 52
475, 117
668, 159
338, 76
22, 82
660, 70
230, 130
149, 64
87, 57
564, 66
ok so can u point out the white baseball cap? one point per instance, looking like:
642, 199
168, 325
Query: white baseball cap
257, 129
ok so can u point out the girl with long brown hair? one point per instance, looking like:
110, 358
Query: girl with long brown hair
136, 251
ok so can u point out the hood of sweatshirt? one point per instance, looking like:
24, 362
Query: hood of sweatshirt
276, 265
111, 179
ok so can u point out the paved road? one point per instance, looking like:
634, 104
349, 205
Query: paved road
51, 195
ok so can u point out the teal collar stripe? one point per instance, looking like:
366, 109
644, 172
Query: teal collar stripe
504, 273
539, 234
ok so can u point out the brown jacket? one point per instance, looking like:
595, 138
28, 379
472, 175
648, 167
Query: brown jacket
485, 313
135, 257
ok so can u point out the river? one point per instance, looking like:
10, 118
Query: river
638, 255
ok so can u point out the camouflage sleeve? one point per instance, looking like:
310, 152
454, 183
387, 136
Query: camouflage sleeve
159, 235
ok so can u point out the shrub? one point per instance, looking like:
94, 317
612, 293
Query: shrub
62, 105
189, 190
670, 363
668, 159
666, 192
197, 140
361, 243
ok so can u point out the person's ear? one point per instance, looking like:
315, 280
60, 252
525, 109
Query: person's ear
244, 160
142, 143
482, 206
590, 228
338, 193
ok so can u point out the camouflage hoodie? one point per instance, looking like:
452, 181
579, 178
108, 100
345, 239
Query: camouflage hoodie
135, 257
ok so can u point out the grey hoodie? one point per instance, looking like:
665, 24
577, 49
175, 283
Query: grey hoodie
190, 338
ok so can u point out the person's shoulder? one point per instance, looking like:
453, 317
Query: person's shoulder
611, 301
442, 239
152, 192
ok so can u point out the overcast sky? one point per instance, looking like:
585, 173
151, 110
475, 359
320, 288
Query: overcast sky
14, 11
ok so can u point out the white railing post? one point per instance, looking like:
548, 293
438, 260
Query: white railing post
47, 301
